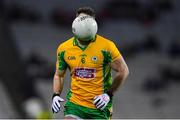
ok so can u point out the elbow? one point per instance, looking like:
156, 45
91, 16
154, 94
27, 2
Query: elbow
127, 71
124, 73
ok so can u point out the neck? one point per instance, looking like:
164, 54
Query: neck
84, 43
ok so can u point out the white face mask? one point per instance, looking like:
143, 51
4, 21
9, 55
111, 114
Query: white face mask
84, 27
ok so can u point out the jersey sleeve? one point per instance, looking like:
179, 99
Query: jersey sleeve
114, 52
60, 62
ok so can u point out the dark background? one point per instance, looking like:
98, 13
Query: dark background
145, 31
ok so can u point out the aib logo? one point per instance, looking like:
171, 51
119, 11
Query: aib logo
71, 58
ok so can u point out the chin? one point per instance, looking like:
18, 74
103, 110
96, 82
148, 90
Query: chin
86, 39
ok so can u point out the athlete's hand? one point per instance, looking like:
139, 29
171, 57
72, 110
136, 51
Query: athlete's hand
56, 106
101, 101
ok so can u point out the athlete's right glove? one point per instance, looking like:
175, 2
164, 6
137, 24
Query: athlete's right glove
56, 106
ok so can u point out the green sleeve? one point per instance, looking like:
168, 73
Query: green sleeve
62, 65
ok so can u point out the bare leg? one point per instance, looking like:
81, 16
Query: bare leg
72, 117
69, 118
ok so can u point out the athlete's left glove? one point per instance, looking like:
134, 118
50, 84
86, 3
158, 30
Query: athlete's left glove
56, 106
101, 101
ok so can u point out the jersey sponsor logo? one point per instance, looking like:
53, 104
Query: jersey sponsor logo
85, 73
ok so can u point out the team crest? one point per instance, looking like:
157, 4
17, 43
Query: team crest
94, 59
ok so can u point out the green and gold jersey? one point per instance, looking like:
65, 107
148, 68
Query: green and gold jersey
89, 67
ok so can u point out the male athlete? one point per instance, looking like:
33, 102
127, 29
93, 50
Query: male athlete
89, 57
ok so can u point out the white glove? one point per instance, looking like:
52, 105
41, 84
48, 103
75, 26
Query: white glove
101, 101
56, 106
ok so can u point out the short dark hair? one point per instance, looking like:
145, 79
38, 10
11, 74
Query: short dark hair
87, 10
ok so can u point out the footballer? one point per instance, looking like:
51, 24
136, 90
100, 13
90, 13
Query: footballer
90, 58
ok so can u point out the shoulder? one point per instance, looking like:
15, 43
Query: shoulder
64, 45
104, 41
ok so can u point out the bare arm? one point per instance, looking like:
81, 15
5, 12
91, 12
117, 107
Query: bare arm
58, 81
122, 72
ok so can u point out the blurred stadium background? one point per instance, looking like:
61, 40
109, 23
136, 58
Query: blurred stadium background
145, 31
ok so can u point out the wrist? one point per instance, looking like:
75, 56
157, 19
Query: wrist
109, 93
55, 94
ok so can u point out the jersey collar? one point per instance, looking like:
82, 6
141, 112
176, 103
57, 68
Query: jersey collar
75, 42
